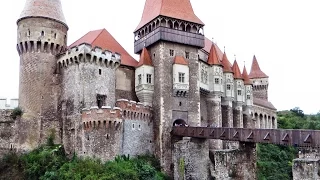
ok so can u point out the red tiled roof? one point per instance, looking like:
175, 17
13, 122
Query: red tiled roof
103, 39
213, 58
246, 77
178, 9
263, 103
39, 8
236, 70
256, 71
207, 46
145, 58
226, 64
180, 60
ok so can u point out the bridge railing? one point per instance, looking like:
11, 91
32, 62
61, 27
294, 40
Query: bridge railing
289, 137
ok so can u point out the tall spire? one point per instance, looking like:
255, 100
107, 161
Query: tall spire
236, 70
245, 76
145, 58
51, 9
213, 58
178, 9
256, 71
226, 64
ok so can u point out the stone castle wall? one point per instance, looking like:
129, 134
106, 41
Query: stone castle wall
125, 83
7, 132
137, 128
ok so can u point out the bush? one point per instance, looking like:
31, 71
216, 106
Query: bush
16, 112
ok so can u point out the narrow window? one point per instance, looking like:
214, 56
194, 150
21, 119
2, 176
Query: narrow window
100, 71
101, 100
139, 79
187, 55
248, 97
29, 33
171, 52
55, 35
42, 33
228, 87
149, 78
216, 80
239, 93
181, 77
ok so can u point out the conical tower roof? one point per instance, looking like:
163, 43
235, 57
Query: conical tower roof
236, 70
246, 77
145, 58
103, 39
178, 9
51, 9
213, 58
226, 64
256, 71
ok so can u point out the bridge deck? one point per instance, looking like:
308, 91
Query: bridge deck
298, 138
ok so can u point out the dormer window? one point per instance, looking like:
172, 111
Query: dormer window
149, 76
139, 79
181, 77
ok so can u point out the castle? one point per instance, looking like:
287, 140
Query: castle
99, 101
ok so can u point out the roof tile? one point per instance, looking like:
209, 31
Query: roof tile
236, 70
246, 77
213, 58
180, 60
178, 9
256, 71
103, 39
145, 58
263, 103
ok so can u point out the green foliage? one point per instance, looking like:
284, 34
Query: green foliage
50, 163
16, 112
275, 162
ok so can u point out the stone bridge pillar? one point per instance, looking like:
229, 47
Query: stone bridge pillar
237, 164
214, 117
307, 166
191, 159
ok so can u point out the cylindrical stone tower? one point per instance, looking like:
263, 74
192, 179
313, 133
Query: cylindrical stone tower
42, 34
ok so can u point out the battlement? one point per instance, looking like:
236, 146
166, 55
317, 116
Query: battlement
85, 53
39, 46
106, 117
134, 111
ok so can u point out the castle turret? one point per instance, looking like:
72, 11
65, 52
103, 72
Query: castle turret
259, 80
248, 97
228, 95
144, 83
170, 31
214, 97
42, 34
239, 94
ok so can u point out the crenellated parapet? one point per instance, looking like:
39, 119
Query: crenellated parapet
134, 111
106, 117
85, 53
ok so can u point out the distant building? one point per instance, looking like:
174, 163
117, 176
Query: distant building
13, 103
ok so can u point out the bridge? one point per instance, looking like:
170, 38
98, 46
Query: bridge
298, 138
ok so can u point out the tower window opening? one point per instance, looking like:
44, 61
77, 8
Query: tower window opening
42, 33
55, 35
139, 79
29, 33
180, 103
181, 77
149, 76
171, 52
100, 71
239, 93
216, 80
248, 97
228, 87
101, 100
187, 55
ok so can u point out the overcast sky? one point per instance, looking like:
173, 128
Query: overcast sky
283, 34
